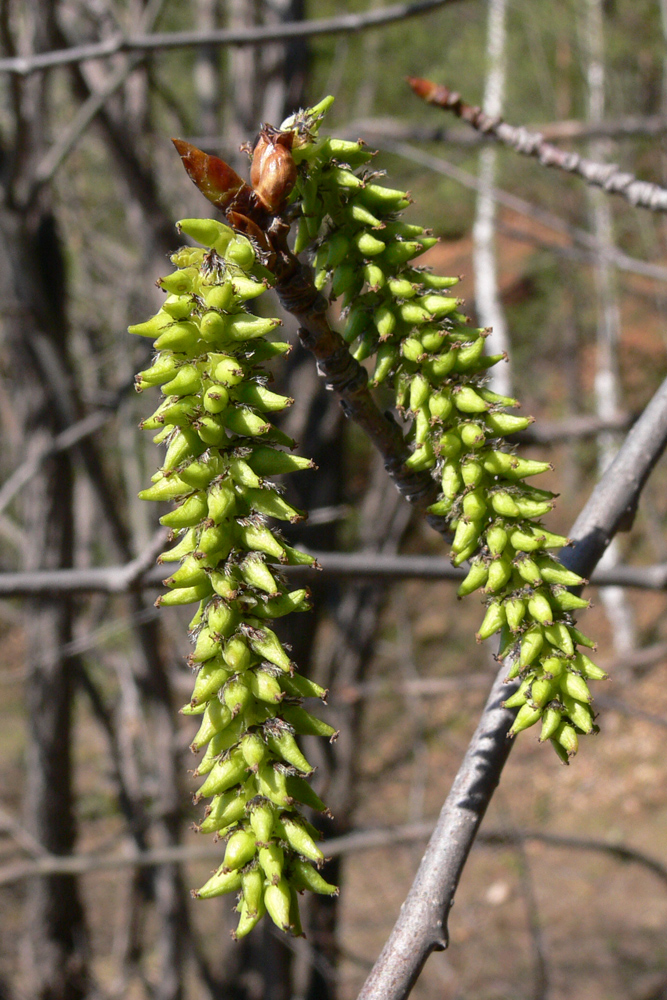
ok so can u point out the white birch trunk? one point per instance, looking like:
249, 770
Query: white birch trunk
487, 296
607, 386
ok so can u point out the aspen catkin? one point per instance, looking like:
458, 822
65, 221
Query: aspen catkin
221, 446
411, 321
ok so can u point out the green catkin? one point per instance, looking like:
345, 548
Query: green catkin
215, 421
410, 320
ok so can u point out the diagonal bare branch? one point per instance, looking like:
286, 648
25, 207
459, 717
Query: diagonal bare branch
608, 176
422, 924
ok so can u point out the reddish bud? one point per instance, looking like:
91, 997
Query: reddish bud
273, 171
215, 179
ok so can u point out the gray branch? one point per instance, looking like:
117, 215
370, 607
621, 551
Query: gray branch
422, 924
141, 574
163, 41
608, 176
349, 843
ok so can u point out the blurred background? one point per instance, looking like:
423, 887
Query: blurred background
565, 893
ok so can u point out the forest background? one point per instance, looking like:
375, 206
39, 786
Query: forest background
93, 754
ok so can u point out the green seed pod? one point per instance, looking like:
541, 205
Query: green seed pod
186, 545
272, 862
303, 687
542, 691
520, 696
153, 327
207, 232
590, 670
551, 720
276, 607
526, 716
540, 609
301, 791
256, 573
242, 326
236, 654
272, 784
578, 713
248, 919
574, 686
265, 687
581, 639
240, 849
225, 774
261, 539
452, 481
507, 423
467, 400
566, 737
496, 539
298, 838
270, 503
472, 472
559, 636
500, 572
283, 745
228, 371
278, 901
210, 679
254, 750
261, 398
303, 876
220, 501
503, 504
218, 296
239, 251
565, 601
467, 532
474, 505
532, 642
266, 644
387, 358
528, 571
253, 890
216, 718
476, 578
162, 370
237, 697
553, 572
219, 884
515, 610
494, 619
262, 821
472, 435
224, 809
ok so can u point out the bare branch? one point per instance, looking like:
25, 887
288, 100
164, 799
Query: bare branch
160, 42
63, 441
608, 176
139, 574
350, 843
422, 924
630, 126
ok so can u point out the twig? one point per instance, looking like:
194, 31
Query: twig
629, 126
350, 843
61, 442
162, 41
522, 207
68, 138
608, 176
422, 924
139, 574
